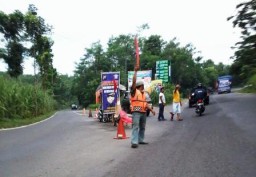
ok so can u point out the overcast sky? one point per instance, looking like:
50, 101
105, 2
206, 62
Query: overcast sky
79, 23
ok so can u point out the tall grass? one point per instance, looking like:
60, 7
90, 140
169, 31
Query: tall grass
251, 85
21, 101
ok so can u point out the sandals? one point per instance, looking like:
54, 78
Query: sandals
171, 119
171, 116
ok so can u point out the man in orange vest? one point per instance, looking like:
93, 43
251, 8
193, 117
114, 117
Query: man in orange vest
139, 106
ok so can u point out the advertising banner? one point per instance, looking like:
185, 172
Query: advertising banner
110, 91
145, 76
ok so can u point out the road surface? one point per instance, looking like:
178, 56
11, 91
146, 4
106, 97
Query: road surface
221, 143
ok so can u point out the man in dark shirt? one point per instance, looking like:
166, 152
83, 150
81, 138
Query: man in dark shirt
200, 92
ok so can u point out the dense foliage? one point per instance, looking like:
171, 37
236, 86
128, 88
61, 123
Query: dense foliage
25, 35
19, 100
244, 66
186, 69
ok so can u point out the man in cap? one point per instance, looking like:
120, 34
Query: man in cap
162, 103
139, 106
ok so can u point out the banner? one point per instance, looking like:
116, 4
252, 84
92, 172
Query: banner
145, 76
110, 91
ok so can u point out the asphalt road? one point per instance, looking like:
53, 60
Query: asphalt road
221, 143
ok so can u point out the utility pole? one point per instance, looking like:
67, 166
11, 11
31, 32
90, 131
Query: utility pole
126, 75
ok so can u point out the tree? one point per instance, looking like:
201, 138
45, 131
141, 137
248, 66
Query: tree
14, 58
36, 31
11, 26
153, 45
88, 72
244, 65
62, 91
152, 49
187, 69
183, 68
19, 29
120, 53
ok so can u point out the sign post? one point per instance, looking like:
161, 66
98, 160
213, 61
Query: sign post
110, 91
163, 70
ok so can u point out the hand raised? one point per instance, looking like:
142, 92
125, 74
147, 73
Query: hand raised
136, 68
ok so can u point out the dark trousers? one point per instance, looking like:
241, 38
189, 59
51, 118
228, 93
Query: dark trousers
161, 112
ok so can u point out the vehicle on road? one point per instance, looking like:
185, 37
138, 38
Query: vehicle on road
104, 117
192, 100
200, 108
74, 106
224, 84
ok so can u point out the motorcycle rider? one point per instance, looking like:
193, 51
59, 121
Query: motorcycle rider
200, 92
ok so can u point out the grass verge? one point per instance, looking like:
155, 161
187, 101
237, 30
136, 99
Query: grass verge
248, 89
12, 123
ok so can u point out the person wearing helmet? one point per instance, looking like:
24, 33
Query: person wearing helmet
139, 106
200, 92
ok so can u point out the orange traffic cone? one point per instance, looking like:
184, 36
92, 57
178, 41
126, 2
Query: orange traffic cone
120, 128
121, 131
90, 113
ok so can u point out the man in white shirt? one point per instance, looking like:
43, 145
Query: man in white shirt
161, 105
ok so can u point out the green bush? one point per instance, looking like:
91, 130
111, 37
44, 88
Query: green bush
19, 100
168, 89
93, 106
251, 85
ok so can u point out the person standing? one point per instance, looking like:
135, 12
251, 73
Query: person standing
138, 109
161, 104
176, 104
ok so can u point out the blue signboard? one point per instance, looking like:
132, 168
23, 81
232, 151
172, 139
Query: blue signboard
110, 91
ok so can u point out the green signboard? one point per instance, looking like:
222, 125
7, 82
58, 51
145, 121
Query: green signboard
163, 70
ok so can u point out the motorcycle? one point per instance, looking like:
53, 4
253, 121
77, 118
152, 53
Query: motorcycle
100, 115
200, 108
103, 117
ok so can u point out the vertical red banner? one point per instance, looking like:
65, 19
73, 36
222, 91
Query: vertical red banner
137, 52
